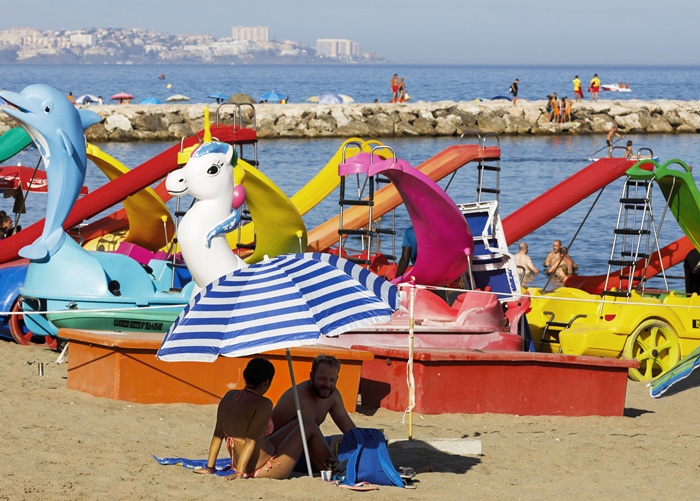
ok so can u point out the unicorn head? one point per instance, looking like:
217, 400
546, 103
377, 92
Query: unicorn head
208, 174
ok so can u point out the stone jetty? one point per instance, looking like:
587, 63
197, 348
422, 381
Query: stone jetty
384, 120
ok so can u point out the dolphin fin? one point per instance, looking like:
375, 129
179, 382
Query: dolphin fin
88, 118
66, 141
36, 251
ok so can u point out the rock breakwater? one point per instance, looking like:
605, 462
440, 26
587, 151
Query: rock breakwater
382, 120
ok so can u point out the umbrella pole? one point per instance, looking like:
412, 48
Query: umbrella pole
409, 365
298, 406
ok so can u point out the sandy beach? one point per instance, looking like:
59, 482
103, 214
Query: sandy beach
64, 444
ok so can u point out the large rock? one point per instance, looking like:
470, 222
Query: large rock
424, 126
357, 129
658, 123
383, 124
634, 122
491, 123
406, 129
690, 119
117, 122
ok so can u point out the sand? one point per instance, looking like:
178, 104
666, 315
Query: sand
64, 444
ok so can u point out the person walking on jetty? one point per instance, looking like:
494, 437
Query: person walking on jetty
578, 93
395, 88
594, 87
514, 91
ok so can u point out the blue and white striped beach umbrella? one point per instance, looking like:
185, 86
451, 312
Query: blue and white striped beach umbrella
680, 377
290, 300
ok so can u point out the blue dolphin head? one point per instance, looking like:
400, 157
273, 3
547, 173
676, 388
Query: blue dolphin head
57, 128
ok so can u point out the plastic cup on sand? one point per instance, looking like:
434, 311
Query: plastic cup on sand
326, 475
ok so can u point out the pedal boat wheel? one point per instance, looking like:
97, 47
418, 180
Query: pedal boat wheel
654, 344
20, 333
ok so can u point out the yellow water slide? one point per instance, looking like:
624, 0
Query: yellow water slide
150, 223
278, 218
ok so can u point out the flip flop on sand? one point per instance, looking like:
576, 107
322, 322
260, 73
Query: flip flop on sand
361, 486
409, 483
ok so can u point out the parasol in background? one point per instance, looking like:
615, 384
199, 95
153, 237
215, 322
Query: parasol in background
177, 98
272, 96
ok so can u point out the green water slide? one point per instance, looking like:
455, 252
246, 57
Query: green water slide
12, 142
676, 181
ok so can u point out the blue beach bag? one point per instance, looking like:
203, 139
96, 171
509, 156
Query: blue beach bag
364, 455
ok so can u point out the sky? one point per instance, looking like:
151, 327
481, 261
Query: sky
561, 32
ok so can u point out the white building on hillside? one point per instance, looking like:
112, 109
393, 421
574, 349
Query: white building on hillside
258, 34
337, 47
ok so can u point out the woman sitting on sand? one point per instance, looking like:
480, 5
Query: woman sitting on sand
243, 423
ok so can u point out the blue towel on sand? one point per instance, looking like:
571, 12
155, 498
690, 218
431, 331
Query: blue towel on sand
223, 466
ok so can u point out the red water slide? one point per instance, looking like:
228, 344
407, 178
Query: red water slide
110, 194
567, 194
563, 196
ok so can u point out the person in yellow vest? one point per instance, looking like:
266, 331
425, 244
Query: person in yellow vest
578, 93
594, 87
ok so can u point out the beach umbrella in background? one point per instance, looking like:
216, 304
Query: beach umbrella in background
86, 99
150, 100
121, 96
287, 301
219, 96
272, 96
177, 98
332, 98
242, 98
680, 377
329, 99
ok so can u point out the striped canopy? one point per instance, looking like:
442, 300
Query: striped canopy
680, 377
286, 301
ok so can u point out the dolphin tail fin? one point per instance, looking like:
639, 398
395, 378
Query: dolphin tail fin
44, 247
37, 251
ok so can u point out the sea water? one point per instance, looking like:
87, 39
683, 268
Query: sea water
530, 165
364, 83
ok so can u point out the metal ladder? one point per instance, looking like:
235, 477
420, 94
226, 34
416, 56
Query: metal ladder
363, 195
486, 165
634, 239
238, 124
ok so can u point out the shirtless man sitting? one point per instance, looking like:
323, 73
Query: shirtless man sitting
318, 397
